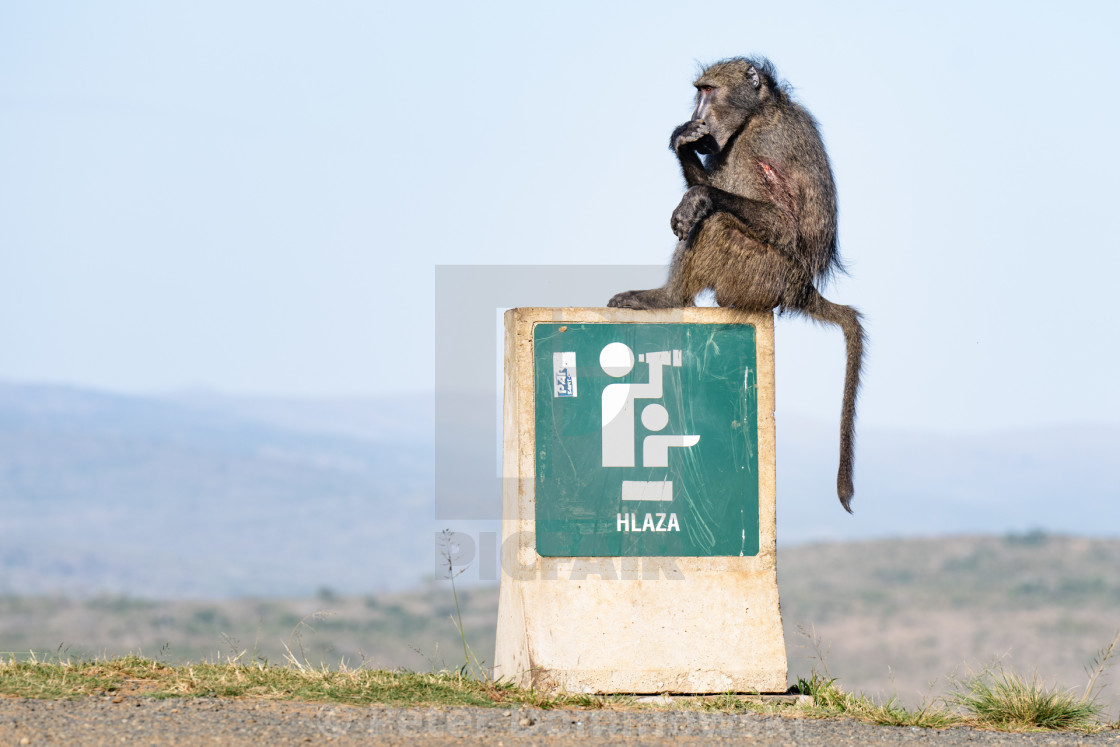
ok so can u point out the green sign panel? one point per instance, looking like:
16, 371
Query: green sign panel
647, 440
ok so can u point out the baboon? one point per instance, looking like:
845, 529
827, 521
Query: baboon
757, 224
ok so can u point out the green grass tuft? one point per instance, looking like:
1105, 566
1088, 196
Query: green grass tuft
830, 701
1006, 700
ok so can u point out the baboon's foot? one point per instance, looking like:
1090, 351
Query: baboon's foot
636, 299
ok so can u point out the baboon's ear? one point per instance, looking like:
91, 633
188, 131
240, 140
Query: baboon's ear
752, 76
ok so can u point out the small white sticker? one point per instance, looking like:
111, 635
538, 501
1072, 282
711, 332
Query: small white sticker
564, 374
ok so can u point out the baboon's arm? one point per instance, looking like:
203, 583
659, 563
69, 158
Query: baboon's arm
762, 220
685, 141
692, 168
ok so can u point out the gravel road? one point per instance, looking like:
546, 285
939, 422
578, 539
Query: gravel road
212, 721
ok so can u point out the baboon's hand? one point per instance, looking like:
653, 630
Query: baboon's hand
693, 208
687, 134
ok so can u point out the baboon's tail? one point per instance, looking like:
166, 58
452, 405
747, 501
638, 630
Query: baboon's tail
822, 310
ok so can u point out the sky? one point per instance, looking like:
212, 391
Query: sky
252, 197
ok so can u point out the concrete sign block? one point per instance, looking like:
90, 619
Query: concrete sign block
638, 507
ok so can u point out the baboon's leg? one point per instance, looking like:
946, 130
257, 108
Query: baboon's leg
723, 256
744, 272
678, 291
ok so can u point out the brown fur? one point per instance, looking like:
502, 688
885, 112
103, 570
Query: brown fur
757, 225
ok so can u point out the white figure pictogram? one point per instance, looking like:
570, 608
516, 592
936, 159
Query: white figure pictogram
617, 360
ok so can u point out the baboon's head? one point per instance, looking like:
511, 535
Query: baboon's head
727, 94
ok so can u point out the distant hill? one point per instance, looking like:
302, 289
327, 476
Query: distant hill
905, 615
201, 495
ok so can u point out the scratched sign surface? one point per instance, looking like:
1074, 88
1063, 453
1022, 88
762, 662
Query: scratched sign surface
646, 440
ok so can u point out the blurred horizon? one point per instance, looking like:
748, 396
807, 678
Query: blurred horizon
215, 496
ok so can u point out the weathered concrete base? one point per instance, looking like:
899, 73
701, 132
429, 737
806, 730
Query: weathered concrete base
633, 625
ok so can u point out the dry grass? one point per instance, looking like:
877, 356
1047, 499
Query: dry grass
134, 675
1005, 702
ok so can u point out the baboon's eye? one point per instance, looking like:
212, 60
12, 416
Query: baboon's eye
705, 89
